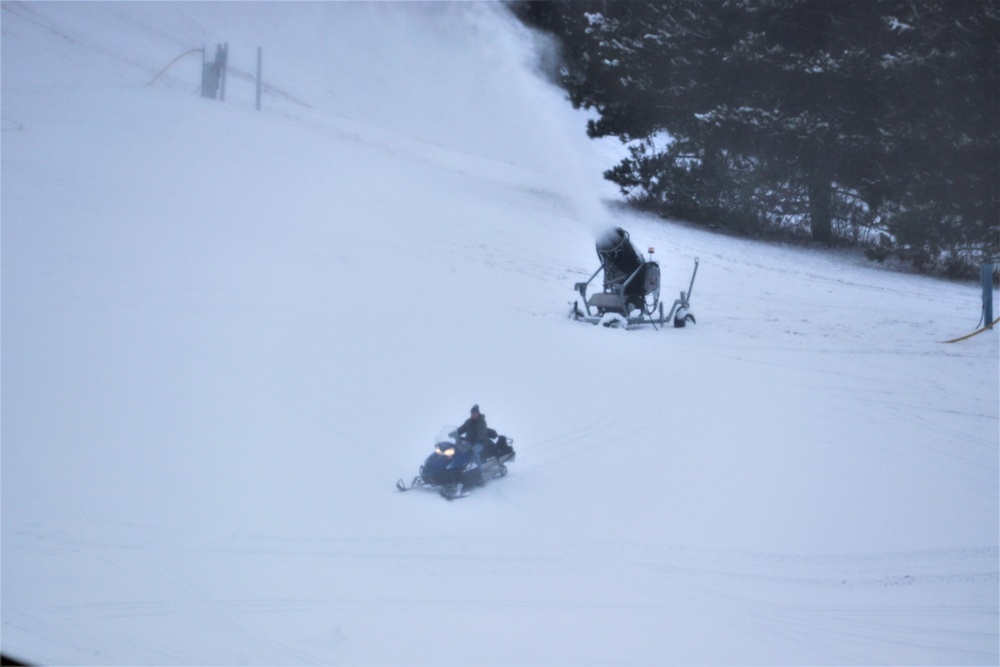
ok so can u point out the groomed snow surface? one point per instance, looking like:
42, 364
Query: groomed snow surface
227, 333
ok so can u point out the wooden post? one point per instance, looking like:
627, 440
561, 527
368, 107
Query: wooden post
260, 58
204, 71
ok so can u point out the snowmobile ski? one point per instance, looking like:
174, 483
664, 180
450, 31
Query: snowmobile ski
451, 492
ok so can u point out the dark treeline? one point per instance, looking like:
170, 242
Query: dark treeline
867, 122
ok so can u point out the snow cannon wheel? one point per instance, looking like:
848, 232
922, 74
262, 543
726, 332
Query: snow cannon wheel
682, 317
503, 470
613, 321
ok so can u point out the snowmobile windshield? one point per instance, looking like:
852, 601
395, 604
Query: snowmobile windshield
445, 437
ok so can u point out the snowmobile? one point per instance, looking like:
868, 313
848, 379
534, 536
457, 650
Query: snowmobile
451, 470
631, 295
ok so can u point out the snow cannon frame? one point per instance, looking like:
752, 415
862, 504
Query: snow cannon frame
631, 289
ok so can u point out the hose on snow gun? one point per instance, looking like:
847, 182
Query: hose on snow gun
974, 333
171, 64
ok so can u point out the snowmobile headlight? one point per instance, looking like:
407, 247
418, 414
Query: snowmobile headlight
445, 452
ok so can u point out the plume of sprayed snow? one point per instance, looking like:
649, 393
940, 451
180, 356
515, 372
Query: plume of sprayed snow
466, 76
489, 97
542, 111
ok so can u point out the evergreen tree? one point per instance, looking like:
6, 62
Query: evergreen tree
836, 115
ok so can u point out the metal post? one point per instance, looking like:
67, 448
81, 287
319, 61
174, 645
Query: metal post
211, 74
222, 73
986, 272
260, 57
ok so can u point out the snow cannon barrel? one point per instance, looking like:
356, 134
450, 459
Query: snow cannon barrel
618, 257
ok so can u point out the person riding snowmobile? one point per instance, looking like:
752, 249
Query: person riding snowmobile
474, 432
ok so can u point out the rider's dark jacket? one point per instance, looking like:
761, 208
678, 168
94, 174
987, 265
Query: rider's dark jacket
474, 430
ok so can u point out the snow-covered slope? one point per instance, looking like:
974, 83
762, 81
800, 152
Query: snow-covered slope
226, 333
